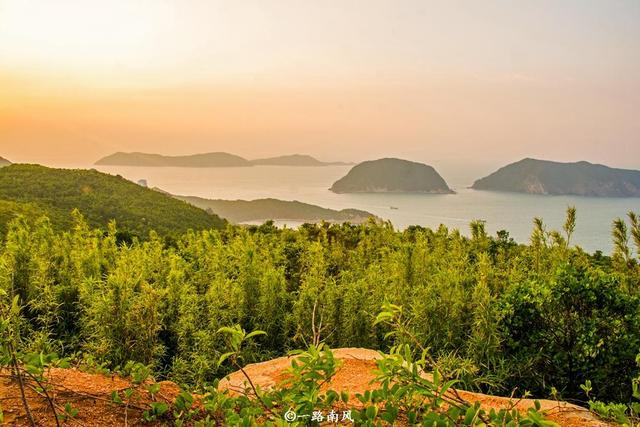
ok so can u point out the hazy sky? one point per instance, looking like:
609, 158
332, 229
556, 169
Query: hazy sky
469, 82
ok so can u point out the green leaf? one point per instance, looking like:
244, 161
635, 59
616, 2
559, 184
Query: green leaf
228, 330
371, 412
153, 388
225, 356
159, 408
255, 333
115, 397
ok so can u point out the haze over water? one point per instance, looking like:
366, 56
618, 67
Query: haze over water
509, 211
466, 86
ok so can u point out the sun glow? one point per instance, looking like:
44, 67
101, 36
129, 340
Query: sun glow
81, 36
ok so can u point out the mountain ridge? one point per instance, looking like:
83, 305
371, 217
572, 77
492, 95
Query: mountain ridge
213, 159
546, 177
100, 197
294, 160
239, 211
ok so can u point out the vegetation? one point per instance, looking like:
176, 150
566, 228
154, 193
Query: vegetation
238, 211
481, 313
391, 175
545, 177
35, 190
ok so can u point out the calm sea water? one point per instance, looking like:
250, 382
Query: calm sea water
508, 211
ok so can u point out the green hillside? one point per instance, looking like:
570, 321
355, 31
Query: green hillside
238, 211
100, 197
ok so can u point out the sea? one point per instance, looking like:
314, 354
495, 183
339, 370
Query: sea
512, 212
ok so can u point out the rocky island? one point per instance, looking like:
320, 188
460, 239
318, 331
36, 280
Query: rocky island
4, 162
534, 176
391, 176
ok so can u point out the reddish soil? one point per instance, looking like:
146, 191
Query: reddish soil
91, 393
356, 376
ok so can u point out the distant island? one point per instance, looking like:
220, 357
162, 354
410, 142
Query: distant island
391, 176
239, 211
4, 162
295, 160
534, 176
208, 160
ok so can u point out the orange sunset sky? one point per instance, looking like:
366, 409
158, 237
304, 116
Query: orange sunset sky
450, 82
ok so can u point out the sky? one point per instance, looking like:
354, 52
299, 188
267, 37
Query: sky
460, 84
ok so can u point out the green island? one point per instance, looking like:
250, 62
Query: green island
534, 176
391, 175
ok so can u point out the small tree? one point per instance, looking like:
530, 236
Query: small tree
620, 236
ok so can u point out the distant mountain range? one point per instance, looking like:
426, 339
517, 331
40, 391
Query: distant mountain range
239, 211
207, 160
295, 160
534, 176
391, 176
4, 162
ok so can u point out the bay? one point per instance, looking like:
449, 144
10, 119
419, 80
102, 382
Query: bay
502, 211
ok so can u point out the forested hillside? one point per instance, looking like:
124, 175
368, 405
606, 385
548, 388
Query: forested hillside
238, 211
99, 197
492, 314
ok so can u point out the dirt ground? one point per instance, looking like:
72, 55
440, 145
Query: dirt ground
356, 376
90, 393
